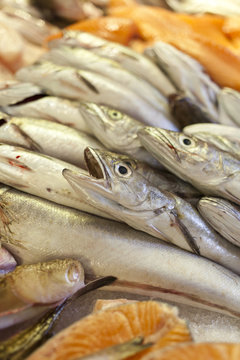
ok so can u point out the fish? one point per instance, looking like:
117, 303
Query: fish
187, 74
137, 63
229, 107
223, 216
119, 185
40, 175
84, 59
7, 261
13, 92
209, 169
197, 6
119, 351
40, 230
223, 137
46, 137
88, 86
186, 111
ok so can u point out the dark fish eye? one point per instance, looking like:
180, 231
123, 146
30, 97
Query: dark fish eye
123, 170
187, 141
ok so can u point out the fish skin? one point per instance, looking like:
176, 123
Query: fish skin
197, 6
229, 107
133, 199
223, 216
186, 74
7, 261
40, 175
56, 140
12, 92
83, 59
128, 58
85, 85
209, 169
142, 263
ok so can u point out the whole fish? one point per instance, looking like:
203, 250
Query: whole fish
225, 138
186, 111
119, 185
223, 216
219, 7
12, 92
48, 138
229, 107
138, 64
85, 85
186, 74
40, 175
7, 261
39, 230
209, 169
86, 60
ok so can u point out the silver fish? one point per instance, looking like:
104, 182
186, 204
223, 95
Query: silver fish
86, 60
7, 261
209, 169
85, 85
40, 175
220, 7
12, 92
119, 186
186, 74
229, 107
128, 58
142, 263
225, 138
48, 138
223, 216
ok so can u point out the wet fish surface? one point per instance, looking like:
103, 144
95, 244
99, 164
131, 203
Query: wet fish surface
7, 261
197, 6
142, 263
229, 107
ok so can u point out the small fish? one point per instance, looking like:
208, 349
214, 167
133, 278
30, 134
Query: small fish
34, 230
86, 60
186, 111
225, 138
187, 75
223, 216
48, 138
7, 261
138, 64
40, 175
12, 92
119, 185
229, 107
209, 169
88, 86
120, 351
198, 6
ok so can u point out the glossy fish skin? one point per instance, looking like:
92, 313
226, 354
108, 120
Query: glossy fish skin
225, 138
119, 185
186, 74
142, 264
40, 175
86, 60
48, 138
209, 169
129, 59
12, 92
7, 261
197, 6
223, 216
85, 85
229, 107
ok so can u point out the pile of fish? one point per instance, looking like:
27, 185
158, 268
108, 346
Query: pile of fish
94, 167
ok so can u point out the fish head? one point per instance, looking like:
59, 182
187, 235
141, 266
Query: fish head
48, 282
178, 152
113, 128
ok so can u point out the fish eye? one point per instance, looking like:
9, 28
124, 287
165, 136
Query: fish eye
123, 170
115, 115
186, 141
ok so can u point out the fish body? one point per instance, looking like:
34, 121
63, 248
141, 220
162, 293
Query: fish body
197, 6
7, 261
85, 85
49, 138
40, 175
223, 216
87, 60
120, 186
186, 74
209, 169
129, 59
12, 92
229, 107
41, 231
